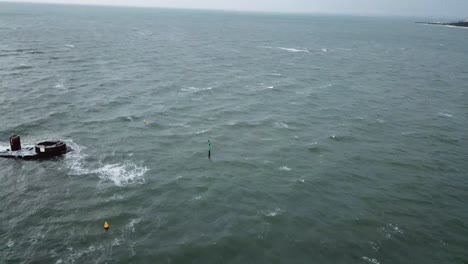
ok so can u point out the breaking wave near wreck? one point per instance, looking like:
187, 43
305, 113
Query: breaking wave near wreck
121, 174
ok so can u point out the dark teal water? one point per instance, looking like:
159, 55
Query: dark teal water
335, 139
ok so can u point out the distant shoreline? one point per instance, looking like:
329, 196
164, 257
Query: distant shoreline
453, 24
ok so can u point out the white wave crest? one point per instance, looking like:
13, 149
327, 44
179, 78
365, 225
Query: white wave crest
121, 174
281, 125
192, 89
326, 86
285, 168
444, 115
293, 50
371, 260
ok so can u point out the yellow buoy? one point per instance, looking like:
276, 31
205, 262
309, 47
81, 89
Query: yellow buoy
106, 225
144, 121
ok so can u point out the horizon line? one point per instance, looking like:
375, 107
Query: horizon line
364, 14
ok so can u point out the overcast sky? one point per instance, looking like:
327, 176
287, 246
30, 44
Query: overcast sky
421, 8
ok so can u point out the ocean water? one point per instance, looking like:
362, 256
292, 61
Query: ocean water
335, 139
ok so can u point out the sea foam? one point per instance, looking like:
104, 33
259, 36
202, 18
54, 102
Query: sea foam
121, 174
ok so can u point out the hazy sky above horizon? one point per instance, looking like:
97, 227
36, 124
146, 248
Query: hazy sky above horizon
428, 8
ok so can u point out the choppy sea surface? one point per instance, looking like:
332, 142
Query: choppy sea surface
335, 139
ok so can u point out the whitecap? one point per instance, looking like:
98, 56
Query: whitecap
201, 132
198, 197
293, 50
131, 226
273, 213
10, 244
284, 168
444, 115
276, 74
58, 86
407, 133
115, 197
117, 241
325, 50
192, 89
390, 230
395, 228
375, 246
371, 260
326, 86
270, 87
70, 46
281, 125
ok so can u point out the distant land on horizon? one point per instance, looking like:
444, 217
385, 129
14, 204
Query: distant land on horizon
454, 24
